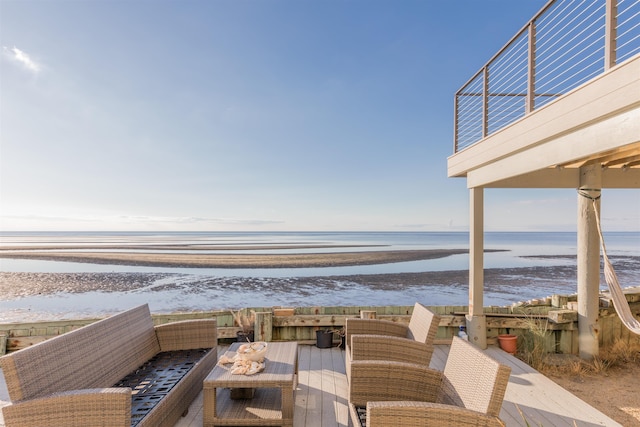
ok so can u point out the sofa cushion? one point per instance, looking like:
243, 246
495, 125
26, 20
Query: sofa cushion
152, 381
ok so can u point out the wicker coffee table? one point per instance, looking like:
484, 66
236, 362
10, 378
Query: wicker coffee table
272, 402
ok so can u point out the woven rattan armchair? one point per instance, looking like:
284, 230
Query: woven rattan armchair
469, 392
374, 339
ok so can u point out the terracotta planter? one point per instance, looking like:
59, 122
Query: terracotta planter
508, 343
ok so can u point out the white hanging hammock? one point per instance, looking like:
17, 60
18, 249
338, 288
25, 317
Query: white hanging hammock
620, 302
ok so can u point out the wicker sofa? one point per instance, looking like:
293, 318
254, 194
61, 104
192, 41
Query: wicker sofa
119, 371
469, 392
376, 339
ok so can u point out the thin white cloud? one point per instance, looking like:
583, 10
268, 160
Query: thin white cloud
193, 220
25, 222
20, 57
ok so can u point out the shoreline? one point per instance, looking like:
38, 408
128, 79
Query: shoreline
196, 260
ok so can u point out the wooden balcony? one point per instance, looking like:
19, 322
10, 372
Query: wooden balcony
597, 123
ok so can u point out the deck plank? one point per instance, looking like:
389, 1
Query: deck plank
313, 415
329, 416
302, 392
341, 388
321, 396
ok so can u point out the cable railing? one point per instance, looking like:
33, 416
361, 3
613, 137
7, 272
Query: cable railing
568, 43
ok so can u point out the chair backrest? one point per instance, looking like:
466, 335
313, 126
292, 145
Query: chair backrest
94, 356
423, 325
473, 380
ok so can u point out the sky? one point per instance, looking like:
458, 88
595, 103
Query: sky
253, 115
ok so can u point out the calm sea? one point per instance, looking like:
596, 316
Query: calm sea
529, 266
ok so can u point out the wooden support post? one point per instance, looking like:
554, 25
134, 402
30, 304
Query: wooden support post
476, 321
263, 326
588, 261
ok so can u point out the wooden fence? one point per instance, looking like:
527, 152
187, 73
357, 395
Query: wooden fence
554, 319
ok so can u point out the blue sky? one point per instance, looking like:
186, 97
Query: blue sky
252, 115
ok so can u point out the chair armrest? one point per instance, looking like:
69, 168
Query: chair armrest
392, 414
77, 408
381, 381
377, 347
188, 334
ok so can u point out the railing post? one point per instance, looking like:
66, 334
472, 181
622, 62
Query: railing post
455, 124
610, 28
485, 101
530, 99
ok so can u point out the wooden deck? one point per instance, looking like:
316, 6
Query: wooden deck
321, 397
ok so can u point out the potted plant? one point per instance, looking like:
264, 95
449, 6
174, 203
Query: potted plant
245, 322
508, 343
324, 338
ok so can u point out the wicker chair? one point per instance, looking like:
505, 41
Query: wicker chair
469, 392
373, 339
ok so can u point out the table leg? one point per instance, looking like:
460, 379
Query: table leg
209, 404
287, 406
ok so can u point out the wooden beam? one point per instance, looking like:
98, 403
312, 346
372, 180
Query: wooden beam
561, 177
607, 134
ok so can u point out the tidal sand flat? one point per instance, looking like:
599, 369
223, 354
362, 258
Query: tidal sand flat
70, 275
217, 260
51, 296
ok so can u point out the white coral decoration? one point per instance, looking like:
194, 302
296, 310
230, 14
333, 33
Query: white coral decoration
248, 360
243, 320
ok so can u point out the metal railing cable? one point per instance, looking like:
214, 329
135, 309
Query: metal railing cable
565, 45
569, 48
628, 30
508, 85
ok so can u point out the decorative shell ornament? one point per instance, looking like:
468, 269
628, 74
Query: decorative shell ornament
248, 360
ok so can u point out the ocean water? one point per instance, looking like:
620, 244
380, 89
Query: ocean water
528, 265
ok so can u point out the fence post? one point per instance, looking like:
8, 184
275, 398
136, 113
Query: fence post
3, 343
263, 326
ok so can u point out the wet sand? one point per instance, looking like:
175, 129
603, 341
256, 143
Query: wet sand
18, 285
199, 260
